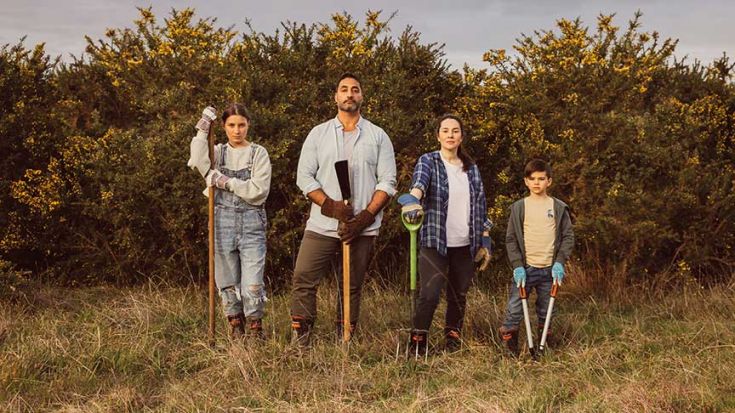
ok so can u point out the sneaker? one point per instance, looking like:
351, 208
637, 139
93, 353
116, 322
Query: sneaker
255, 328
237, 326
510, 341
418, 346
301, 331
453, 341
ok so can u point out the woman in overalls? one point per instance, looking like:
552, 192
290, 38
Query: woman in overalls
242, 176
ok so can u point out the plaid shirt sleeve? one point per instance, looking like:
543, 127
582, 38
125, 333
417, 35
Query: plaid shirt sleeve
422, 174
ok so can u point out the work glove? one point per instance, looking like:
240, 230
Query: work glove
337, 210
484, 253
352, 229
557, 272
217, 178
519, 276
209, 114
411, 209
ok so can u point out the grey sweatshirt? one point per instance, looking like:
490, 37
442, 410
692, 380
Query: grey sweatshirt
514, 242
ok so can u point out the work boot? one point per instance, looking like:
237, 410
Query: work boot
419, 343
301, 331
549, 336
453, 341
510, 341
255, 328
339, 328
237, 326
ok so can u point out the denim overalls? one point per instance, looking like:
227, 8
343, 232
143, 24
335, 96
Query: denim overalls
239, 252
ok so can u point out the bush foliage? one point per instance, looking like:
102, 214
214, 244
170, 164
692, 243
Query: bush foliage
96, 186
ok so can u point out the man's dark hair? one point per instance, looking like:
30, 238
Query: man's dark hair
235, 109
537, 165
348, 75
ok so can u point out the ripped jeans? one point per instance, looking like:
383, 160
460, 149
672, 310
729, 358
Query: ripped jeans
239, 259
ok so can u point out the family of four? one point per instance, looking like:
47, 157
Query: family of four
446, 194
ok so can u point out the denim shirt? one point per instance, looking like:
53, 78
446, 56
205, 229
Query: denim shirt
372, 168
430, 176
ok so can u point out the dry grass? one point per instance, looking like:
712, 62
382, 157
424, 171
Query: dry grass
144, 349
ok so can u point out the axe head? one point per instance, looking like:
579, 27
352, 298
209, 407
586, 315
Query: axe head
343, 177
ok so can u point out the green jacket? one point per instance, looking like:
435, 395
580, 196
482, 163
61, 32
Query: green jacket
563, 242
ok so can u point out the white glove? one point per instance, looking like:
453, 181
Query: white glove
208, 115
218, 179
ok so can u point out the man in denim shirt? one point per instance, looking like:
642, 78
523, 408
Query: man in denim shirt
369, 153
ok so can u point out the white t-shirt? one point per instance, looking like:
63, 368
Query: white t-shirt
458, 212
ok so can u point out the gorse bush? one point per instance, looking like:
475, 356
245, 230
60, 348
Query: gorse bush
96, 187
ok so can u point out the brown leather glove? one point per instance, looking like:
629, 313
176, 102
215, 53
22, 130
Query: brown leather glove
483, 257
337, 209
352, 229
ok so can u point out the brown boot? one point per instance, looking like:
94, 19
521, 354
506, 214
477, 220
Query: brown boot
453, 340
255, 328
418, 346
510, 341
339, 328
237, 326
301, 328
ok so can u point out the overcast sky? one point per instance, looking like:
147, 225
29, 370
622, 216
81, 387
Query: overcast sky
705, 29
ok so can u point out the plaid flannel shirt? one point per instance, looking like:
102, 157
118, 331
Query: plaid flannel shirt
430, 176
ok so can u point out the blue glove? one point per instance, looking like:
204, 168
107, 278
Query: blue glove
519, 275
557, 272
411, 209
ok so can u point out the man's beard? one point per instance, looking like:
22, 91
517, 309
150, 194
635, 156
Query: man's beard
350, 106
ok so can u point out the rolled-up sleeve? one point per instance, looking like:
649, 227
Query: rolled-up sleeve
308, 165
386, 171
199, 153
421, 174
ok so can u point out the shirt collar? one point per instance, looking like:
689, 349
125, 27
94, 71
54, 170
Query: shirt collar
338, 124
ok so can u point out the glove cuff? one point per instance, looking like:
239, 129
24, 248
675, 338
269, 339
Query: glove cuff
407, 199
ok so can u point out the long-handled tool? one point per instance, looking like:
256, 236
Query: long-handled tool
343, 176
413, 229
210, 140
527, 320
547, 323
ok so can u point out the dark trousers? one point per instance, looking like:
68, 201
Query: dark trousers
320, 255
454, 271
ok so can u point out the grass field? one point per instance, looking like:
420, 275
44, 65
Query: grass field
145, 349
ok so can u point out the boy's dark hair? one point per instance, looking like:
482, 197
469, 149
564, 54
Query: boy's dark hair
537, 165
348, 75
467, 160
235, 109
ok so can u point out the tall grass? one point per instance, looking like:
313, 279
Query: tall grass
145, 349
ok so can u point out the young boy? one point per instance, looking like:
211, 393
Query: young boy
539, 240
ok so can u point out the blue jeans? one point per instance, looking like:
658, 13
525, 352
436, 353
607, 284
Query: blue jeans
536, 278
239, 259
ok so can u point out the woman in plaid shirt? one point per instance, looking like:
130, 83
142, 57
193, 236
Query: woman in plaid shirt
447, 180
